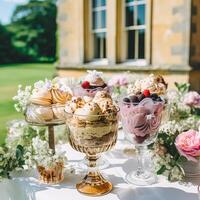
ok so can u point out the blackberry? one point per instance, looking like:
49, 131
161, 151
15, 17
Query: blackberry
134, 99
126, 100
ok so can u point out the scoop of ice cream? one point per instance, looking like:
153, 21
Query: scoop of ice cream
87, 99
105, 102
75, 103
101, 94
60, 97
41, 97
98, 82
155, 84
94, 78
89, 112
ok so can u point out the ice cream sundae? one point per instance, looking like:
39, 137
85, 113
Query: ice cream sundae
91, 83
93, 125
141, 112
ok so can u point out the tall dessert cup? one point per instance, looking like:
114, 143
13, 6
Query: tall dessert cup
93, 135
140, 123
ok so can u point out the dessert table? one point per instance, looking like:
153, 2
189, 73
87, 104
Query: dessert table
26, 187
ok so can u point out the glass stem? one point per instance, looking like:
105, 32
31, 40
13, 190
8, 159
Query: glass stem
92, 162
93, 171
140, 169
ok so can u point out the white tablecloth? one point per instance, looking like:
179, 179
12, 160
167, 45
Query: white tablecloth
28, 188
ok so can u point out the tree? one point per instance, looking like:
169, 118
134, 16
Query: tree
7, 51
34, 29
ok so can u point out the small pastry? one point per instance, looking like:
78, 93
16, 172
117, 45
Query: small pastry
41, 97
60, 97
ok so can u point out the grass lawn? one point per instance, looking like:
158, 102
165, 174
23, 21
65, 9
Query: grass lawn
10, 77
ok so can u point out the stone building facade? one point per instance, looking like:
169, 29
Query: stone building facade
143, 36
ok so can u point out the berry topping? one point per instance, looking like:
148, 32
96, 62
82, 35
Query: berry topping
85, 84
141, 97
158, 99
127, 100
154, 95
134, 99
146, 93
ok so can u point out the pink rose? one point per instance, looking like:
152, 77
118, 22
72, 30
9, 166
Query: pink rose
192, 99
188, 144
118, 80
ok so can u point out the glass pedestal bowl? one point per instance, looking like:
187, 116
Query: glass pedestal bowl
92, 135
46, 115
50, 116
140, 123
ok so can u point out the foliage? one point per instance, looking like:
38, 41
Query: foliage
26, 146
168, 160
31, 35
15, 153
7, 50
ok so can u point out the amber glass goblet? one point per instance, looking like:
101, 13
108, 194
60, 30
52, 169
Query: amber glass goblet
93, 135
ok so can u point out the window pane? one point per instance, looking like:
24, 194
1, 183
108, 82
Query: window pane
97, 3
128, 1
96, 19
141, 53
100, 45
129, 16
141, 14
103, 19
103, 2
131, 44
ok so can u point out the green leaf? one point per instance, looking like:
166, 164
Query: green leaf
19, 151
161, 170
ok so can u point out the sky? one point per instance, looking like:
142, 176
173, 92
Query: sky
6, 9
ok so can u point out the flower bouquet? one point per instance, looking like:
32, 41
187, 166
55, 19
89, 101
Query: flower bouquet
177, 142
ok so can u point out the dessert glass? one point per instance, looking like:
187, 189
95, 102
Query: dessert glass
102, 162
52, 175
140, 123
92, 135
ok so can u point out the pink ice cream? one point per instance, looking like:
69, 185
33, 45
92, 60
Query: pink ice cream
142, 120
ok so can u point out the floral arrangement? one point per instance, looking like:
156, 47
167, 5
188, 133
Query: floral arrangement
26, 147
178, 138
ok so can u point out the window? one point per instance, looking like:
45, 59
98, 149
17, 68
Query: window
99, 28
135, 26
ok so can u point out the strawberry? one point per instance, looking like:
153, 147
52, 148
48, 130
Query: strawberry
146, 93
85, 84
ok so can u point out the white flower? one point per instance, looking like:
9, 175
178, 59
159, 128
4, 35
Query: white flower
22, 98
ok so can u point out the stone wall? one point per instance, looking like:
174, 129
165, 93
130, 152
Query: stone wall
174, 39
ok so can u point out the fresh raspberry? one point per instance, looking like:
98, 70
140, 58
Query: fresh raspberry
146, 93
85, 84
